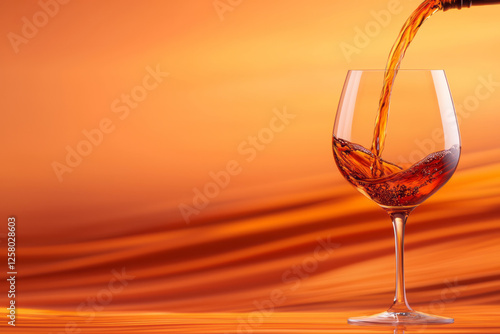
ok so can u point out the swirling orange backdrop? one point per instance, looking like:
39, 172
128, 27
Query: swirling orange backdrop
116, 211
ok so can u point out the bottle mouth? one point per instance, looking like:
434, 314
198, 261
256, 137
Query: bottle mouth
458, 4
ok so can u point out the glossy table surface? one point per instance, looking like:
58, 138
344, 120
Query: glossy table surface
478, 319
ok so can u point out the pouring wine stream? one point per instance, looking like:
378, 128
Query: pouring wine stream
395, 189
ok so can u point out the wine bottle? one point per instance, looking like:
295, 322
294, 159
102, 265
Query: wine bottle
459, 4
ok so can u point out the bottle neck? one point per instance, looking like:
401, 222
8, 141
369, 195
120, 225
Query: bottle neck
459, 4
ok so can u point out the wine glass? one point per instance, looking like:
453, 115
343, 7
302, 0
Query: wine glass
421, 153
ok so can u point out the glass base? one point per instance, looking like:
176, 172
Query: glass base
400, 318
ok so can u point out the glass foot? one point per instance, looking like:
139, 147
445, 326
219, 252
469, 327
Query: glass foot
400, 318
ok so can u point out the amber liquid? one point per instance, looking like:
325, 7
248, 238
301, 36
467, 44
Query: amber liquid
397, 187
390, 185
406, 35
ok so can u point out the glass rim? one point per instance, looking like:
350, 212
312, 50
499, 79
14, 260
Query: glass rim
399, 70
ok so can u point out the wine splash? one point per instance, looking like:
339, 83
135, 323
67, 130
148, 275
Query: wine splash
398, 187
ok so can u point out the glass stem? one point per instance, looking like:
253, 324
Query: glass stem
400, 304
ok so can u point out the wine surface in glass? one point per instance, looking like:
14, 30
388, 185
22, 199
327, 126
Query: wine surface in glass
397, 187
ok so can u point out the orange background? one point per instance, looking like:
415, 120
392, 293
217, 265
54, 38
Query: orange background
119, 208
